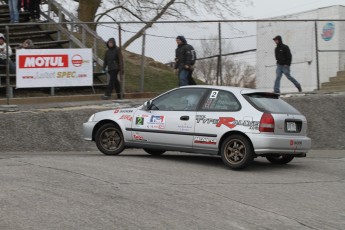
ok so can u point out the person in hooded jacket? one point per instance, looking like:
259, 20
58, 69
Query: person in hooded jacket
185, 57
284, 58
113, 64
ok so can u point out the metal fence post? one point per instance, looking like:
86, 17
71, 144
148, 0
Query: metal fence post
317, 57
8, 88
142, 69
220, 54
122, 71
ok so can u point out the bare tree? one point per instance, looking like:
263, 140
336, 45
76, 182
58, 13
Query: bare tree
249, 76
234, 73
206, 69
231, 71
87, 10
154, 10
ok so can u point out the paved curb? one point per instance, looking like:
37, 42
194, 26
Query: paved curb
8, 108
70, 98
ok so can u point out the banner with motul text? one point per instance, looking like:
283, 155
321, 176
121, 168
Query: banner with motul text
54, 67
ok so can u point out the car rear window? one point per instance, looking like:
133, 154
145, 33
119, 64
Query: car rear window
268, 102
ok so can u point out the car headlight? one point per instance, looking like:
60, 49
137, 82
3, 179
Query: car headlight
91, 118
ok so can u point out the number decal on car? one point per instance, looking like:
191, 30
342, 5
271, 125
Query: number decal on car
139, 121
214, 94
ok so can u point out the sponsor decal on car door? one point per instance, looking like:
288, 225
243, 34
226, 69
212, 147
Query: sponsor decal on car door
217, 116
164, 127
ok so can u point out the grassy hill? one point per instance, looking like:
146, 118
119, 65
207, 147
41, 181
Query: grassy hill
157, 76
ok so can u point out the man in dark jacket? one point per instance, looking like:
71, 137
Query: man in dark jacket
284, 58
184, 61
35, 11
112, 65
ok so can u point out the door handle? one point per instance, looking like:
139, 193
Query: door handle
184, 118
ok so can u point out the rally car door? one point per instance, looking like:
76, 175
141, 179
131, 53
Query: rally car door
170, 120
216, 116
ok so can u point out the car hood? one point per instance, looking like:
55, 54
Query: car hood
115, 114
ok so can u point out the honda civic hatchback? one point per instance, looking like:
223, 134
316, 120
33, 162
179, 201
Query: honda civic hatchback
238, 124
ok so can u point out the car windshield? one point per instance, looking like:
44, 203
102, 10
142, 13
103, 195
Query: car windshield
267, 102
179, 99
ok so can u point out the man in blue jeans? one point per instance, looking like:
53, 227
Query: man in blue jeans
284, 58
185, 57
13, 8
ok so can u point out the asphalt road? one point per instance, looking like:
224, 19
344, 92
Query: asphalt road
87, 190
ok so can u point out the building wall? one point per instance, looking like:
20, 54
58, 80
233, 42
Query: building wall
300, 37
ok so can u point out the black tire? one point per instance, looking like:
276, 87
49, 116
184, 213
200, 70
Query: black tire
154, 152
237, 152
109, 139
280, 159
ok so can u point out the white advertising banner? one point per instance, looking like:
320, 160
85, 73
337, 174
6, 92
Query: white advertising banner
54, 67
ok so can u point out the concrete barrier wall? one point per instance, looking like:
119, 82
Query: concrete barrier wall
60, 128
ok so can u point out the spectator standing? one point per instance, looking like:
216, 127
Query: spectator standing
35, 12
284, 58
14, 14
185, 57
23, 4
6, 54
113, 64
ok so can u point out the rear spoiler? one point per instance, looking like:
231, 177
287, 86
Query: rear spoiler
260, 94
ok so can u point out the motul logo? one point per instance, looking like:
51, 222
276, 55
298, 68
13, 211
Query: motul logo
43, 61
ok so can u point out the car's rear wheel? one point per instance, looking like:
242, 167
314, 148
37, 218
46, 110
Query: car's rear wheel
237, 152
280, 159
109, 139
154, 152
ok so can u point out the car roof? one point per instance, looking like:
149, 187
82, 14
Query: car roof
239, 90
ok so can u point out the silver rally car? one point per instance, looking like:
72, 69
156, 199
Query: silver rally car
238, 124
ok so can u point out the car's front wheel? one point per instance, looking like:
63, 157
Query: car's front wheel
154, 152
280, 159
237, 152
109, 139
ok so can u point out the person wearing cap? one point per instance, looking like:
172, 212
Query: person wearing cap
14, 13
4, 52
27, 44
113, 64
184, 61
284, 58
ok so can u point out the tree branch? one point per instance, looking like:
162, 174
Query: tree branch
148, 25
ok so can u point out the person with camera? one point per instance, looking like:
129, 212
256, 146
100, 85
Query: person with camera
5, 55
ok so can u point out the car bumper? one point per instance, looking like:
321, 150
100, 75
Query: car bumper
87, 130
276, 144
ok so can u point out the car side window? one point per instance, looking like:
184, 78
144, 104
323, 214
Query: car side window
182, 99
219, 100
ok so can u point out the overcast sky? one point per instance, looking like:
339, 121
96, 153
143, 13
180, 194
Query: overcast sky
258, 10
273, 8
163, 49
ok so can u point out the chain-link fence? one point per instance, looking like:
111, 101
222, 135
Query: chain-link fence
235, 53
227, 45
241, 53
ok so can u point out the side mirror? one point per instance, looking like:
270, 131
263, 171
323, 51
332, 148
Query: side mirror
147, 105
